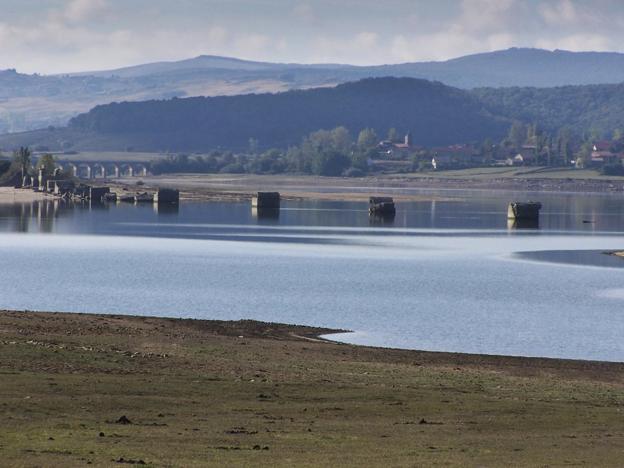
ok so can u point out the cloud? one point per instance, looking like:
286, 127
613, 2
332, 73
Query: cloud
480, 15
560, 12
252, 44
480, 26
444, 45
577, 42
359, 48
366, 39
83, 10
304, 11
74, 35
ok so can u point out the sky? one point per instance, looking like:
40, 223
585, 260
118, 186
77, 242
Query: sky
57, 36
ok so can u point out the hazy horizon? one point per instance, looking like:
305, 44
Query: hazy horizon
65, 36
252, 60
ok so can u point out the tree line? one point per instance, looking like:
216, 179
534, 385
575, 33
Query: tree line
338, 153
22, 163
323, 152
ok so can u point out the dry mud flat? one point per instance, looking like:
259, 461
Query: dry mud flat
237, 187
119, 390
13, 195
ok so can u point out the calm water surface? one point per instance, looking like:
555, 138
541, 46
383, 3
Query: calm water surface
443, 276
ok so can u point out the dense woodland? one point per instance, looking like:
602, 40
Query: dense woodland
435, 114
581, 109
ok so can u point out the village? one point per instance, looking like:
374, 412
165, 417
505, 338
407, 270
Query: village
402, 156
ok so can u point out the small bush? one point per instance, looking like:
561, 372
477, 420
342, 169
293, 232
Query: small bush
354, 172
234, 168
613, 169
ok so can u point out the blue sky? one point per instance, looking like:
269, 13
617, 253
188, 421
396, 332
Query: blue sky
54, 36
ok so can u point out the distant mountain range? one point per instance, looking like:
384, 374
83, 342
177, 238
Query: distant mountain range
37, 101
505, 68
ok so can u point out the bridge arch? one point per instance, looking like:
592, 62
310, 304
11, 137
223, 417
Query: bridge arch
112, 170
126, 170
99, 171
71, 169
85, 171
140, 170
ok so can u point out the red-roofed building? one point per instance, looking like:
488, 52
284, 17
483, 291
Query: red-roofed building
603, 153
602, 145
394, 150
606, 157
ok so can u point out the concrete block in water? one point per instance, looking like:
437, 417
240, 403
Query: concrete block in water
109, 197
96, 193
381, 206
266, 200
64, 187
524, 211
81, 191
166, 195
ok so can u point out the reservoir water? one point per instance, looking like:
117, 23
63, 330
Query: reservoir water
443, 276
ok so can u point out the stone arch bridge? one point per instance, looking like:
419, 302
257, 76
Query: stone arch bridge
104, 169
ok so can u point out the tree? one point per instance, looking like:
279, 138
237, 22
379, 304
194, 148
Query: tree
583, 156
254, 144
359, 160
564, 145
47, 163
341, 139
547, 150
531, 133
367, 139
23, 159
393, 135
517, 134
487, 151
330, 163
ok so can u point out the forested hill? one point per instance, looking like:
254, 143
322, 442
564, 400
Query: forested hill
435, 114
579, 108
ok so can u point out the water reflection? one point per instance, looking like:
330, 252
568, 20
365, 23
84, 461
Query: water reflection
381, 219
522, 224
263, 214
485, 213
39, 216
167, 209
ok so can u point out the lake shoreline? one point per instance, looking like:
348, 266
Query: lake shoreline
103, 388
10, 195
240, 187
286, 331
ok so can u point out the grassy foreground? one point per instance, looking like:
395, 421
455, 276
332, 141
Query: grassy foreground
196, 393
